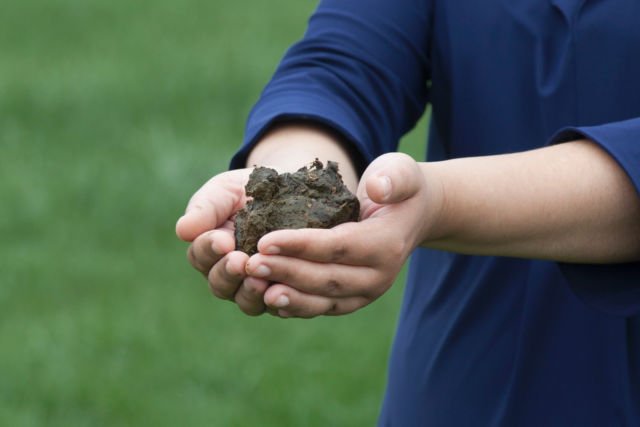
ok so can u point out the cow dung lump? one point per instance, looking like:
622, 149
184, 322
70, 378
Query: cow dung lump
312, 197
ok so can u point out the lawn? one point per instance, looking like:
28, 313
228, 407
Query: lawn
111, 114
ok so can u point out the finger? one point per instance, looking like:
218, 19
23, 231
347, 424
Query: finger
250, 296
334, 280
209, 248
349, 243
289, 302
392, 178
213, 204
227, 275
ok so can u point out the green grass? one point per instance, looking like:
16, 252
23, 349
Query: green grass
111, 114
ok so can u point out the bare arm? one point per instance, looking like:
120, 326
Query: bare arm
569, 202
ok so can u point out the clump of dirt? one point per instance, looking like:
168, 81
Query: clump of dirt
312, 197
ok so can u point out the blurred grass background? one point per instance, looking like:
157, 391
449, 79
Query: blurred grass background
111, 114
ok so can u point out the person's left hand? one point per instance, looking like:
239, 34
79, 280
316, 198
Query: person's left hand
337, 271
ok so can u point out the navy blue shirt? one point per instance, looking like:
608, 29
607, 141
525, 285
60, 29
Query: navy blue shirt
487, 341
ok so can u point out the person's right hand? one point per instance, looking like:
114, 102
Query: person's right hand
208, 225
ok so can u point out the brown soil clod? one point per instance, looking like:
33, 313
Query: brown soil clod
312, 197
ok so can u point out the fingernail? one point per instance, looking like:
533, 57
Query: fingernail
261, 271
385, 183
281, 302
272, 250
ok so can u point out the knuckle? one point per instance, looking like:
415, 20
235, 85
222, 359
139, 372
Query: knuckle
333, 287
285, 274
339, 251
347, 306
339, 248
334, 309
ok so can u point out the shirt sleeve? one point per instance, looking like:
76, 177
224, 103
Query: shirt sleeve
361, 68
613, 288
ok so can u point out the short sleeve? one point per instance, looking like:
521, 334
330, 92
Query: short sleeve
613, 288
361, 69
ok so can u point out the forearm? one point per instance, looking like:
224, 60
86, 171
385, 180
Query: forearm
291, 146
569, 202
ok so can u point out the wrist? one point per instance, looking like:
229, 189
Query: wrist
436, 223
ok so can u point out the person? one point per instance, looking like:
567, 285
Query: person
522, 305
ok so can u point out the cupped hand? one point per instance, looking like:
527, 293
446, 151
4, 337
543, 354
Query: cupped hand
337, 271
208, 225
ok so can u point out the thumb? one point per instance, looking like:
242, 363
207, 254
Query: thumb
392, 178
212, 205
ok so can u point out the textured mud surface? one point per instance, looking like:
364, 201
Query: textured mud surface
312, 197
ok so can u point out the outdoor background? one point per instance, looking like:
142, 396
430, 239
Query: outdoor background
112, 113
